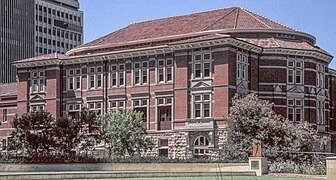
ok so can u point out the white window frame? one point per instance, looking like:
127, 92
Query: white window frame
95, 76
201, 62
320, 75
118, 70
295, 105
141, 70
72, 76
142, 105
242, 66
117, 103
320, 112
40, 77
292, 66
165, 67
202, 103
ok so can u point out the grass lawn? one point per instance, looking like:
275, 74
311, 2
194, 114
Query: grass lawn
229, 178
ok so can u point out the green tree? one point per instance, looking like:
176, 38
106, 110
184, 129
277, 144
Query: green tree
90, 129
34, 133
67, 133
251, 118
124, 133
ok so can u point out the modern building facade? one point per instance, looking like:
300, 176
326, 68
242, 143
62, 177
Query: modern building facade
182, 72
35, 27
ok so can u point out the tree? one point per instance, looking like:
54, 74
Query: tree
34, 133
90, 129
67, 133
251, 118
123, 132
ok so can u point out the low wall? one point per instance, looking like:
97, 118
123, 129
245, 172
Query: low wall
212, 167
331, 168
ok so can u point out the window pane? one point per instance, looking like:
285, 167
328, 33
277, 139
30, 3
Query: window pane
160, 75
169, 74
197, 70
298, 77
206, 69
197, 97
197, 57
121, 78
290, 76
207, 110
206, 56
114, 79
197, 110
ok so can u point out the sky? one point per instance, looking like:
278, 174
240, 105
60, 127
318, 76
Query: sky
315, 17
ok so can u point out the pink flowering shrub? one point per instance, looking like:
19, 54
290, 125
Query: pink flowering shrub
251, 118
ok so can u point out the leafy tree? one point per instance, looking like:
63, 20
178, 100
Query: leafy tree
34, 133
67, 133
251, 118
123, 132
90, 129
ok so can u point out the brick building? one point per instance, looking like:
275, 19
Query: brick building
182, 72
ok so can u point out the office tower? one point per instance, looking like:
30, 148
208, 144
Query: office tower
35, 27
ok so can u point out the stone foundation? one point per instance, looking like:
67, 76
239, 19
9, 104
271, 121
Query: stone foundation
181, 144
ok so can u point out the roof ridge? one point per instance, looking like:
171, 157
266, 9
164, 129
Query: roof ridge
256, 18
236, 20
219, 19
268, 18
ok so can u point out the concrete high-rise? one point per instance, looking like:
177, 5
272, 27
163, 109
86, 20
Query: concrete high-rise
35, 27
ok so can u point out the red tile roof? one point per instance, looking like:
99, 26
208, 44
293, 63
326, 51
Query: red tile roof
8, 89
280, 43
229, 18
43, 57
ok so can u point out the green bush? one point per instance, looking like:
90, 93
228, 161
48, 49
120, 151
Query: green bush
318, 168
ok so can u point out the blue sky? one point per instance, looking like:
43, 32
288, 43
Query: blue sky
316, 17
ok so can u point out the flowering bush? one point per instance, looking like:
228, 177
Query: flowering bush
251, 118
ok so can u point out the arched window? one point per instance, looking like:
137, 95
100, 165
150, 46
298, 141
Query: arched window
201, 147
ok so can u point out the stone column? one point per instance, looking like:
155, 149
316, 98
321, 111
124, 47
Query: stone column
331, 168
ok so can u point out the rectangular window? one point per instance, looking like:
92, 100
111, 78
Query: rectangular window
37, 81
295, 71
242, 66
320, 111
117, 105
4, 115
92, 81
140, 105
140, 73
320, 74
295, 110
202, 64
202, 105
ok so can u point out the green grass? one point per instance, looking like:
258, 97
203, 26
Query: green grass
228, 178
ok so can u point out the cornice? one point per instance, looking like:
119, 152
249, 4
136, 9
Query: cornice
39, 63
299, 52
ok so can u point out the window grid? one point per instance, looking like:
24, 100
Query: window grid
295, 71
242, 66
140, 73
295, 110
4, 115
37, 81
117, 75
202, 105
74, 79
117, 105
95, 77
141, 105
320, 111
202, 65
320, 76
164, 70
